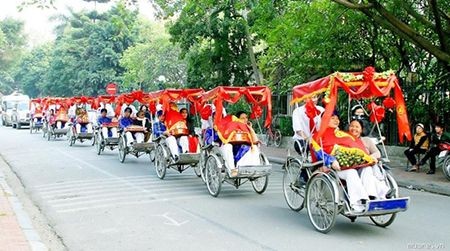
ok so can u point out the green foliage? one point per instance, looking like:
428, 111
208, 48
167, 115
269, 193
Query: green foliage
32, 70
12, 41
212, 38
147, 61
86, 54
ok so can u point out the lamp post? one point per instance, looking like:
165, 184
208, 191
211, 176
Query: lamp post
162, 81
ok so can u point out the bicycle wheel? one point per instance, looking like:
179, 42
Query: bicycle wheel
277, 138
293, 195
321, 205
386, 219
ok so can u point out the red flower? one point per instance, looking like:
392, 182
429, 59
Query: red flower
389, 103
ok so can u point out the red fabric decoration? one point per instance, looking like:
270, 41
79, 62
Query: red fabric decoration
193, 143
389, 103
377, 114
206, 112
371, 106
256, 112
152, 107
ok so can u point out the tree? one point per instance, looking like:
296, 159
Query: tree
12, 41
152, 58
87, 52
426, 24
212, 38
32, 69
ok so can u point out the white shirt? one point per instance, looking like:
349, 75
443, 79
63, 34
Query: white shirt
300, 121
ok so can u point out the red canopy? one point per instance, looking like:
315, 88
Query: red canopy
258, 96
360, 85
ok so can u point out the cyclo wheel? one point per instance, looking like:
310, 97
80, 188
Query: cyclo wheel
160, 162
294, 196
197, 170
386, 219
320, 202
98, 143
446, 166
214, 175
49, 134
260, 184
122, 148
202, 164
31, 127
152, 154
277, 138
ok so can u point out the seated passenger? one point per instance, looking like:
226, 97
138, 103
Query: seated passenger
82, 122
372, 177
143, 122
61, 118
108, 128
37, 114
51, 118
192, 137
329, 148
178, 132
239, 143
125, 122
159, 128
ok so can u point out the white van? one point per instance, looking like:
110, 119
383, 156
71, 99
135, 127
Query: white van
15, 109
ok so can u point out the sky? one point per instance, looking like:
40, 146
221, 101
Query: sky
39, 28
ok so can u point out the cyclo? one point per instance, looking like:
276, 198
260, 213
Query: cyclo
81, 128
37, 115
106, 131
325, 195
136, 148
57, 124
177, 137
229, 140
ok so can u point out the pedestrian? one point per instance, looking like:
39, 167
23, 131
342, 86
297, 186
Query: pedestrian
419, 144
439, 136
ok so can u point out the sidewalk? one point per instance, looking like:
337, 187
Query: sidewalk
16, 231
435, 183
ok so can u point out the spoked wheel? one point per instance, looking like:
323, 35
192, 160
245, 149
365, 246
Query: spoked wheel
31, 127
202, 165
152, 154
197, 170
294, 195
213, 175
98, 144
386, 219
122, 149
49, 135
320, 202
160, 162
446, 167
260, 184
277, 137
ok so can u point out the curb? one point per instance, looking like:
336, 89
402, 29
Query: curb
23, 219
409, 184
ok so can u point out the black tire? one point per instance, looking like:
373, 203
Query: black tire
160, 162
260, 184
214, 175
446, 166
122, 149
49, 135
386, 219
294, 196
98, 143
277, 138
321, 205
152, 154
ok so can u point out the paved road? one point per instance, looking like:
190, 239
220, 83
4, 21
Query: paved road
96, 203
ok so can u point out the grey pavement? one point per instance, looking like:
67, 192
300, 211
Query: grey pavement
436, 183
96, 203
